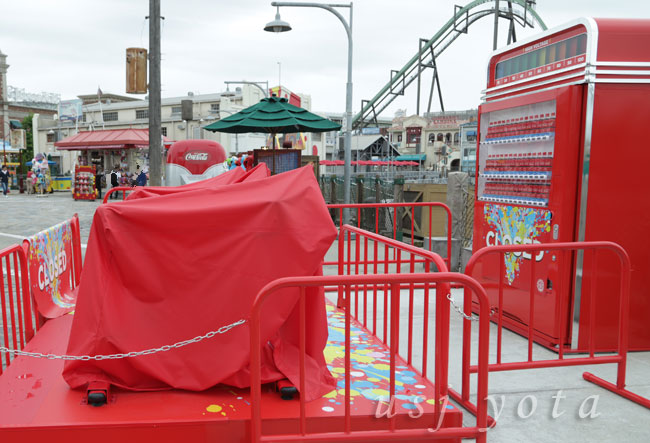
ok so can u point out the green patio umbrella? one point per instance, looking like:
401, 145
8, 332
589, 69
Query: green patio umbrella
273, 115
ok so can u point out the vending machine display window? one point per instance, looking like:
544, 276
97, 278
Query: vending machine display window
516, 154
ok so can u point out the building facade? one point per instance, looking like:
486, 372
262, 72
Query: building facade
436, 135
110, 111
15, 105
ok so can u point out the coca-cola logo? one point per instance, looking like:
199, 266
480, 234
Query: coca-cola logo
196, 156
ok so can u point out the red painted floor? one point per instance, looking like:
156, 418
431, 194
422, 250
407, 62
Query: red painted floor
37, 405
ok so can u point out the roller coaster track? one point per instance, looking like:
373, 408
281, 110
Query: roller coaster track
429, 51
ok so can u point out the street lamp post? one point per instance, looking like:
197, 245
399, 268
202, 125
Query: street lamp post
278, 25
257, 84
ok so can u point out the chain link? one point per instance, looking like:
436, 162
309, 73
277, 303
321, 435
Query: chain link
180, 344
461, 312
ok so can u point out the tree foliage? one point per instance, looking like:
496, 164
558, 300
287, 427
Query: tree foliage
28, 153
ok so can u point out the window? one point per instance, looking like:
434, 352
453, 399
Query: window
141, 113
440, 137
413, 134
456, 135
83, 118
448, 138
177, 110
214, 108
471, 136
432, 138
163, 130
110, 116
399, 138
51, 138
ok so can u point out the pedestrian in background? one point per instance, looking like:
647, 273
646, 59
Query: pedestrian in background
98, 181
4, 179
141, 179
115, 180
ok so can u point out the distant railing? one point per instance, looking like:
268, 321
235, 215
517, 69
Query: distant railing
19, 316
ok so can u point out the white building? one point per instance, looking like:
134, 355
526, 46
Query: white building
134, 114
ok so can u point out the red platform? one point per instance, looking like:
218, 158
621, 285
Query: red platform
37, 405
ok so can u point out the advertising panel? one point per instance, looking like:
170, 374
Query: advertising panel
70, 110
50, 267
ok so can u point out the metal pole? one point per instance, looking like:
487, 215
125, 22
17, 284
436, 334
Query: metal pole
496, 24
348, 92
348, 124
244, 82
155, 129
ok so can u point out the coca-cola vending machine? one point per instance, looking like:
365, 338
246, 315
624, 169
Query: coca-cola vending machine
562, 157
189, 161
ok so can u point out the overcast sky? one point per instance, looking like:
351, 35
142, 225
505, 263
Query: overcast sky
72, 46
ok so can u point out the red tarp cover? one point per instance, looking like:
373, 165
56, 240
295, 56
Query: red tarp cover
161, 270
236, 175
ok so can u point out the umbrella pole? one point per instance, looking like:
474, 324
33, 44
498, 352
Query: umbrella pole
273, 141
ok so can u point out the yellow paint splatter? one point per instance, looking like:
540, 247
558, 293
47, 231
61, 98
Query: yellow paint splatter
431, 401
223, 413
353, 393
213, 408
397, 382
380, 392
382, 367
331, 394
331, 353
362, 358
339, 370
373, 379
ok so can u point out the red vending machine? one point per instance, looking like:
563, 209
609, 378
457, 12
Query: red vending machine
561, 157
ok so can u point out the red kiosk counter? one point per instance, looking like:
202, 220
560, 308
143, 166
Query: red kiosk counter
559, 160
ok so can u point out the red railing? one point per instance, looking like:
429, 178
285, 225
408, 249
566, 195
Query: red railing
361, 252
394, 282
561, 312
124, 190
19, 313
19, 317
396, 208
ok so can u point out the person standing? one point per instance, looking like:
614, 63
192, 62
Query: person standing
141, 179
115, 180
4, 180
98, 181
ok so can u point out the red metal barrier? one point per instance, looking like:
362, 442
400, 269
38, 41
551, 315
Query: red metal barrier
19, 317
362, 255
621, 353
395, 282
19, 313
124, 190
77, 259
395, 206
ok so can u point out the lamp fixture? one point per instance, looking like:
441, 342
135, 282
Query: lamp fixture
277, 25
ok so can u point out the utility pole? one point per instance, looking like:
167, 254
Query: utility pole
155, 130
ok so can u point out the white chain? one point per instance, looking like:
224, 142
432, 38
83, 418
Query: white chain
180, 344
461, 312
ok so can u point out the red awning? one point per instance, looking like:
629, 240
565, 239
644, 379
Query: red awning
107, 139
